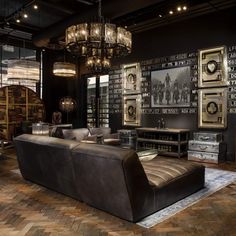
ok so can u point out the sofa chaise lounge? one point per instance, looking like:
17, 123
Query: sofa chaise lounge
106, 177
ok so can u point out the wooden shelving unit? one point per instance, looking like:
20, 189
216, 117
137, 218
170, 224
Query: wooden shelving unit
18, 104
168, 142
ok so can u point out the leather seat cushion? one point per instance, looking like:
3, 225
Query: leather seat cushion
161, 171
112, 141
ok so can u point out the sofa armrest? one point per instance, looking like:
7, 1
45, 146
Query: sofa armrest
92, 138
114, 136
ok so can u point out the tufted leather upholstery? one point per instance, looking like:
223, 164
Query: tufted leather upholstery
161, 171
107, 177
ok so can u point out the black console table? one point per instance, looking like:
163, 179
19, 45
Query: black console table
168, 142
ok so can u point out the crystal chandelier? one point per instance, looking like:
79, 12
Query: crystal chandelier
98, 42
64, 69
22, 69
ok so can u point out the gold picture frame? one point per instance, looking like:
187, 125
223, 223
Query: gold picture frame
131, 78
132, 110
212, 67
212, 108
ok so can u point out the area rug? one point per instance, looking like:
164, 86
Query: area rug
214, 181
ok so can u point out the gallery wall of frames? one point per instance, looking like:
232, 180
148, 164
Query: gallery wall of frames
200, 84
169, 85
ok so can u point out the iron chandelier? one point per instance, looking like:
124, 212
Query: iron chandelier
98, 42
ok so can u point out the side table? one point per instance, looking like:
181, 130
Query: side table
127, 138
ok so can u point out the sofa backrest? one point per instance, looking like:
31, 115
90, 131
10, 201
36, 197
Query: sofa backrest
47, 161
112, 179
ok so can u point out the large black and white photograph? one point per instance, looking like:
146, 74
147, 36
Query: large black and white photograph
170, 87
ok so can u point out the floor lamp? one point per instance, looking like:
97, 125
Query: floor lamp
67, 104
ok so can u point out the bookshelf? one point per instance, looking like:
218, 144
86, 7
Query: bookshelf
18, 104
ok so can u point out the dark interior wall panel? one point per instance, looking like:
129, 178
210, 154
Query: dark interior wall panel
206, 31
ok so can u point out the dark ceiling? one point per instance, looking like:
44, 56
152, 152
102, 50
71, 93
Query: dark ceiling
48, 23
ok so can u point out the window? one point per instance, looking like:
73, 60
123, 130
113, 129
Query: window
98, 101
11, 52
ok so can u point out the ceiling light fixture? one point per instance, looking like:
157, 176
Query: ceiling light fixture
98, 42
179, 8
17, 20
25, 15
64, 69
171, 12
35, 6
23, 69
185, 8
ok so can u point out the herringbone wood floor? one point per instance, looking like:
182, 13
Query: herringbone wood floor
29, 209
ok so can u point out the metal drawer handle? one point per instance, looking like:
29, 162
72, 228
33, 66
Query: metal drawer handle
202, 157
203, 148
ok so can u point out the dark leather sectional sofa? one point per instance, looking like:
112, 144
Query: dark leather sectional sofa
107, 177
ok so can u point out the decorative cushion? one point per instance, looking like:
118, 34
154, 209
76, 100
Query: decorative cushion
77, 134
105, 131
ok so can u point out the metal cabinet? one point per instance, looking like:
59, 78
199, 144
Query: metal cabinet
207, 147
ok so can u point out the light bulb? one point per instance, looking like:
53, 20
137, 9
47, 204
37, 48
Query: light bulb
25, 15
171, 12
179, 8
17, 20
184, 8
35, 6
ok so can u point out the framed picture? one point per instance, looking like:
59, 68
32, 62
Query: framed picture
170, 87
131, 78
212, 108
132, 110
212, 66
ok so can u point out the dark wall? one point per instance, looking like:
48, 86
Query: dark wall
206, 31
211, 30
54, 88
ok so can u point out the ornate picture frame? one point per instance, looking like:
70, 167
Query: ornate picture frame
212, 109
171, 87
212, 67
131, 78
132, 110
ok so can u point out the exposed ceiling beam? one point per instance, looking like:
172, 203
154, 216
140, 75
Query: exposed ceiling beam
23, 7
201, 9
56, 7
112, 10
87, 2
